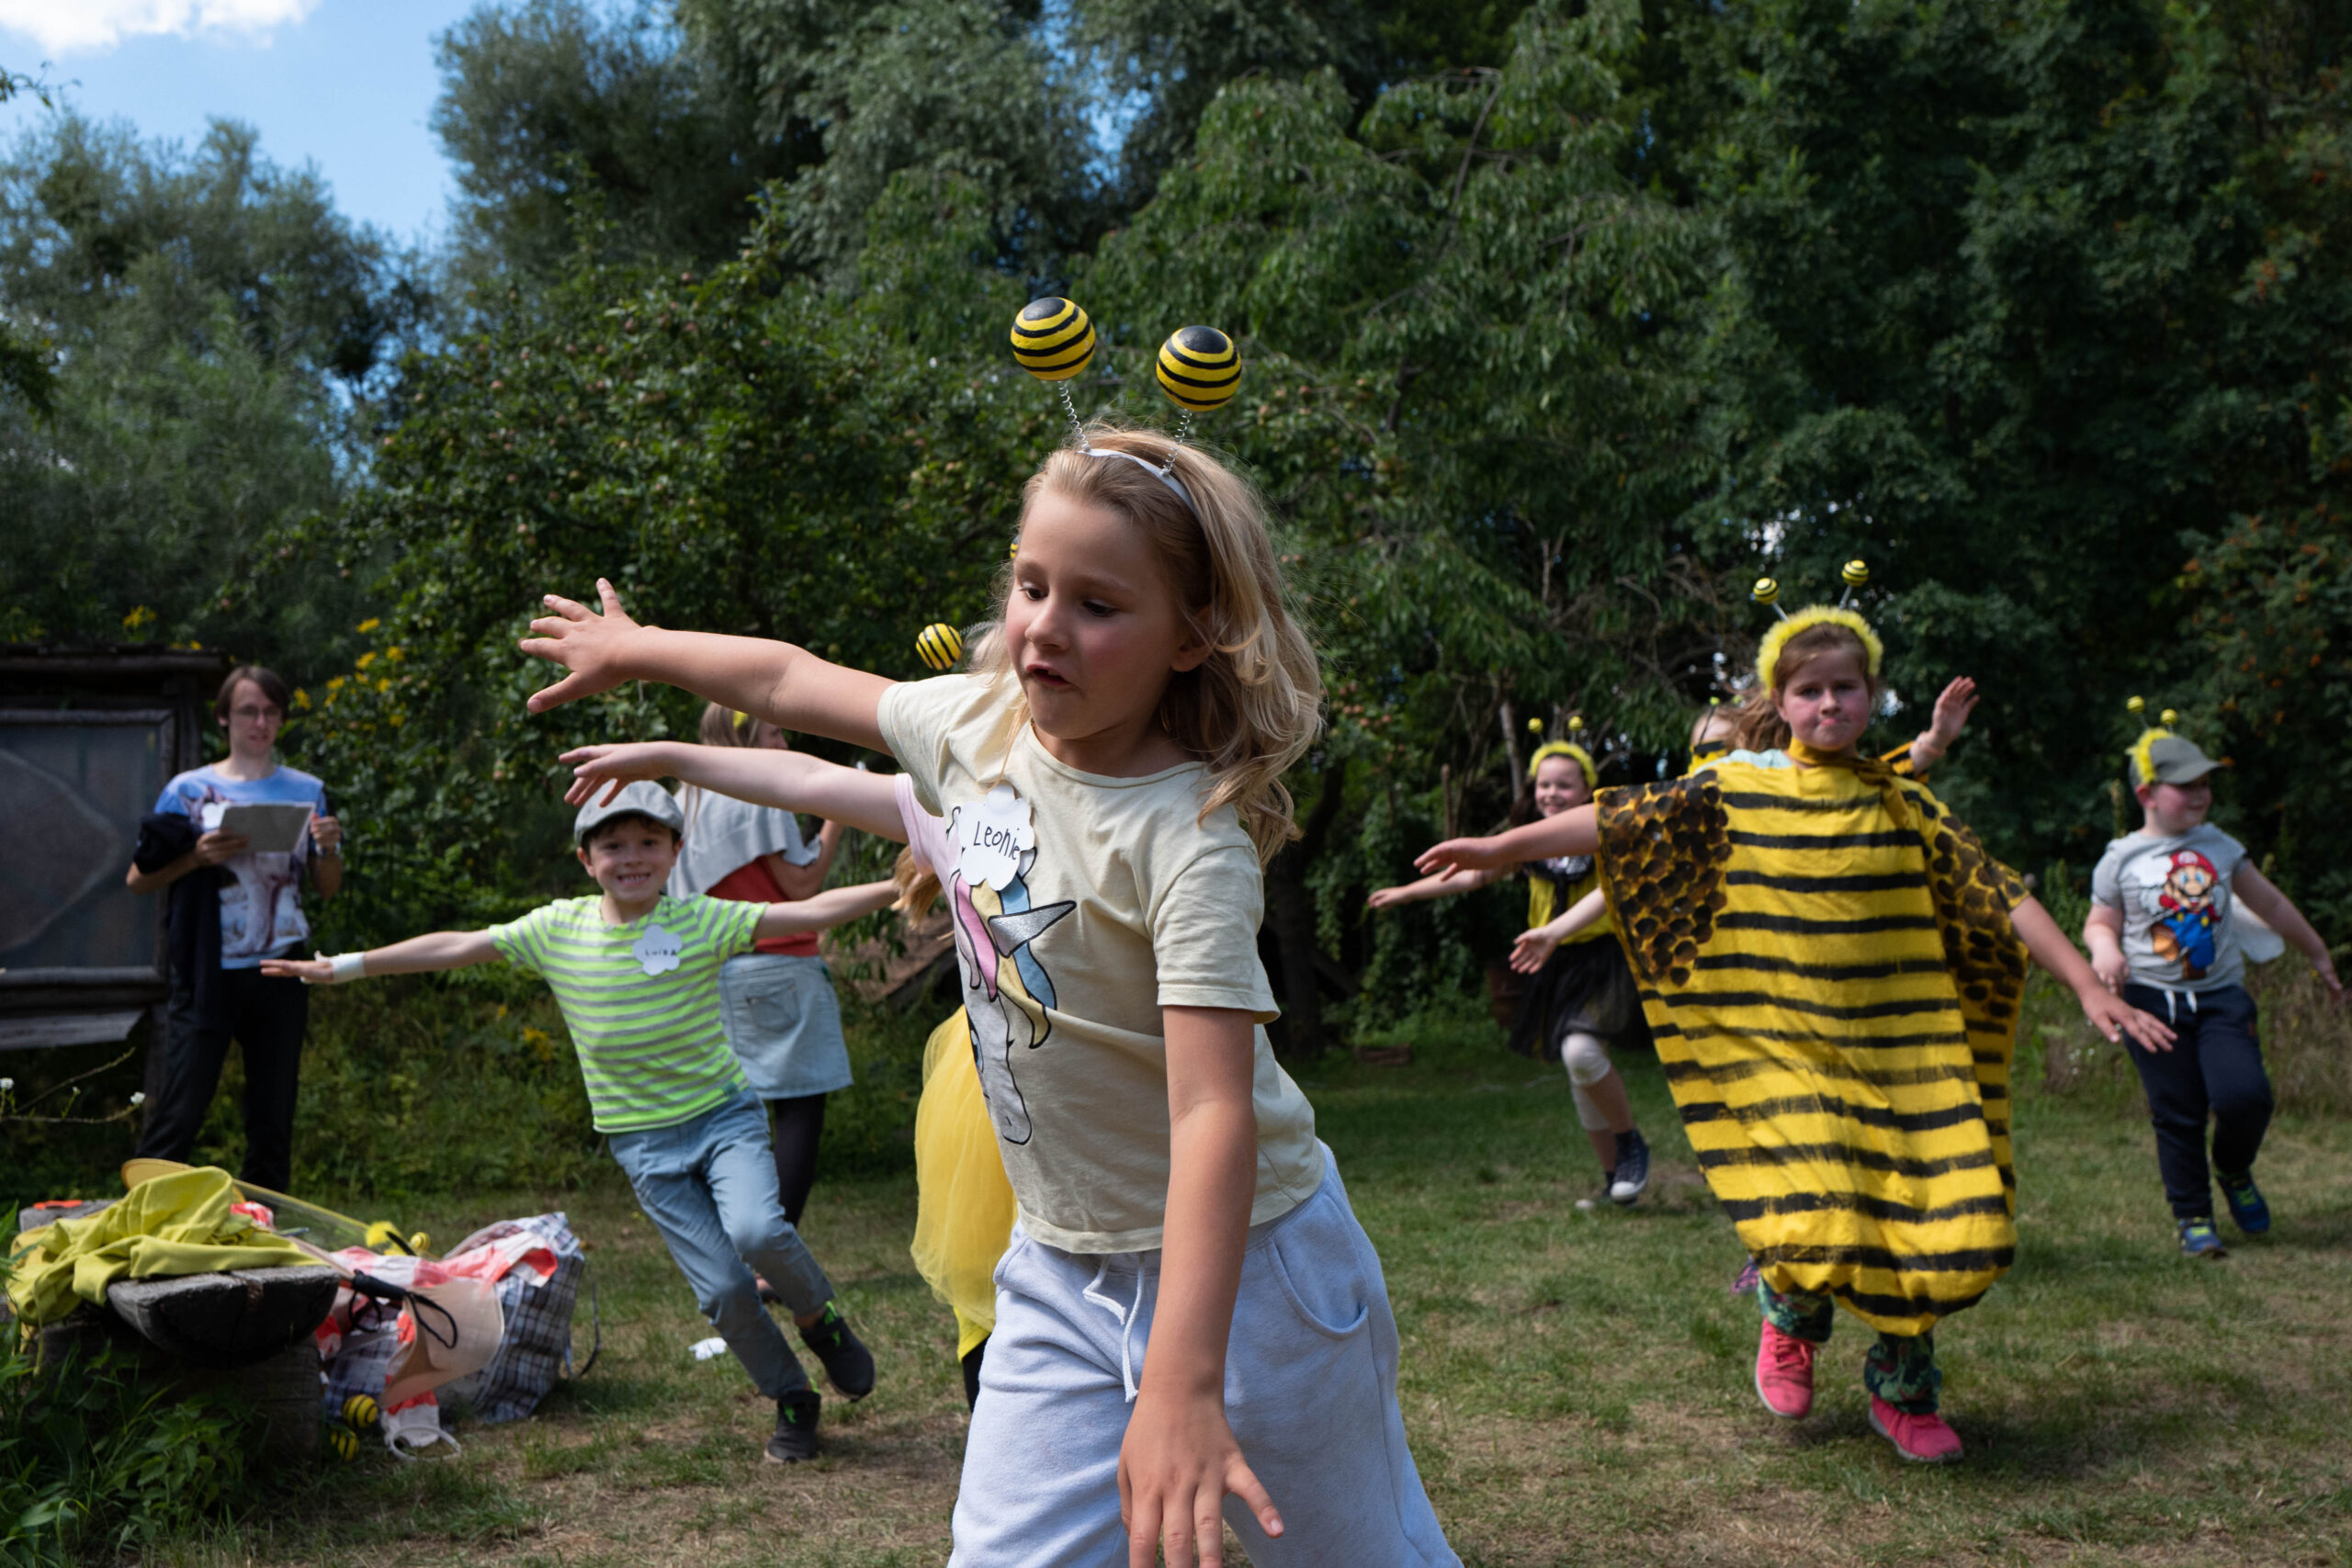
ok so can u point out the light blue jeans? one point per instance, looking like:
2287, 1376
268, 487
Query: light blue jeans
709, 1185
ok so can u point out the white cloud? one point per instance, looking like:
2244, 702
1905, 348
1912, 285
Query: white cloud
63, 26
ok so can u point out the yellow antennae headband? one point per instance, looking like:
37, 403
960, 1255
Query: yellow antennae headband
1768, 653
1551, 749
2141, 755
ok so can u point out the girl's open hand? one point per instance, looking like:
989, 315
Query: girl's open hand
1461, 854
310, 970
1530, 951
592, 647
2114, 1017
607, 768
1385, 899
1952, 708
1176, 1463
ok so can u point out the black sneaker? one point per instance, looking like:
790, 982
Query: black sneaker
796, 1427
849, 1365
1633, 1172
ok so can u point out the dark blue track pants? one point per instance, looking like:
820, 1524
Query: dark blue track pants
2214, 1069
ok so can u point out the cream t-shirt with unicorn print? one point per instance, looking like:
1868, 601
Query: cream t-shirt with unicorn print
1082, 905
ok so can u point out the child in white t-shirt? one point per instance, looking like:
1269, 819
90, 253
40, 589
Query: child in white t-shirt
1188, 1285
2163, 935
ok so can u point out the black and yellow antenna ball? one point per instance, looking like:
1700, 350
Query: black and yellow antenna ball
1052, 339
940, 644
1199, 368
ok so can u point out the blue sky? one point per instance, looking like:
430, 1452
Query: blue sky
347, 84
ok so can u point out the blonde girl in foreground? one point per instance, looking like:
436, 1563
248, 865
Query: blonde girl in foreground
1189, 1309
1831, 966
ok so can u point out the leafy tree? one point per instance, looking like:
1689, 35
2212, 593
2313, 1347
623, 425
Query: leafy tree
216, 318
1163, 61
2017, 305
548, 99
964, 87
25, 362
1465, 391
741, 451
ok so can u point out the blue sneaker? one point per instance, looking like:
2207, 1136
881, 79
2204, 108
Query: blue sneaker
2199, 1239
2247, 1210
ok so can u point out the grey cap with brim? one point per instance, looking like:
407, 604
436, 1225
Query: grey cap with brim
643, 798
2177, 760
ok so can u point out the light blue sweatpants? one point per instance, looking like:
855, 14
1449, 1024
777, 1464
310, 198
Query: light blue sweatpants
709, 1185
1310, 1389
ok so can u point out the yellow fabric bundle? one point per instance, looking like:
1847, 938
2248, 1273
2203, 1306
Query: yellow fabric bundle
964, 1207
171, 1226
1834, 991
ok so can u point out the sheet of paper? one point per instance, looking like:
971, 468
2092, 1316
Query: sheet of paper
274, 828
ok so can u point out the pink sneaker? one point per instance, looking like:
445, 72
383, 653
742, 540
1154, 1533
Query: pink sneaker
1784, 1375
1923, 1439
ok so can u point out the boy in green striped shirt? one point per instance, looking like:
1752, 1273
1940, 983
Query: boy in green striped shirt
636, 973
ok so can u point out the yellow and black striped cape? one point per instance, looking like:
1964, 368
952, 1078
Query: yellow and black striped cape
1827, 964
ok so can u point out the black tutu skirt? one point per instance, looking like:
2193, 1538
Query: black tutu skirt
1584, 987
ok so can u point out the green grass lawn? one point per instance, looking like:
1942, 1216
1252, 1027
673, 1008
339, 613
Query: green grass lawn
1577, 1382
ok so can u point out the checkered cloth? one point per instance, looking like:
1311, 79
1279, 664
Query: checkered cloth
536, 1351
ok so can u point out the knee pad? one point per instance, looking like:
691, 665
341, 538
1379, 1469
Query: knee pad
1585, 1058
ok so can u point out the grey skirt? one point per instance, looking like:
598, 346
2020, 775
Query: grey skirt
785, 1024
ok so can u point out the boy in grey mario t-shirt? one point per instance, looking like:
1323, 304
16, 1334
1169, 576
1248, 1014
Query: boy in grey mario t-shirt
2163, 936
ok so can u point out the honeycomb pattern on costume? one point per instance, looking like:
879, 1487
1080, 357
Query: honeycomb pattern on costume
1974, 894
1667, 845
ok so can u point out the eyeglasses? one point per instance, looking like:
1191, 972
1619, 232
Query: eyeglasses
250, 713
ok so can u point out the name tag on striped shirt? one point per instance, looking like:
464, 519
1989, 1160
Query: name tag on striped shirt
656, 950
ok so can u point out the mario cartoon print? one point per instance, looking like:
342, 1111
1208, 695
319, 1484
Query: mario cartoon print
1006, 989
2184, 930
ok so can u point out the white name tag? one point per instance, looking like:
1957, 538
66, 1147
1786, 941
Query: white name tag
656, 950
992, 838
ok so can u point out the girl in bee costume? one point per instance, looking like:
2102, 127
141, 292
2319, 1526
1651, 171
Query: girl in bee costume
1582, 995
1831, 965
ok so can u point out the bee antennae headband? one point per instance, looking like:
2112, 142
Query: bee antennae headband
1856, 576
1199, 368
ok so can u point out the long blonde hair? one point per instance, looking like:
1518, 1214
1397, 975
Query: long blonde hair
1760, 726
919, 886
1254, 706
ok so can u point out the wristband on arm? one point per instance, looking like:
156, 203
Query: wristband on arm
348, 967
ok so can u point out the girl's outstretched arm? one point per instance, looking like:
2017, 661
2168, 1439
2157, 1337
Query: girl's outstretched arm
2279, 912
1528, 954
424, 955
1573, 832
791, 780
1179, 1458
790, 687
1429, 887
823, 911
2109, 1014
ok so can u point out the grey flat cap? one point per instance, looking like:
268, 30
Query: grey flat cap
2177, 760
643, 798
